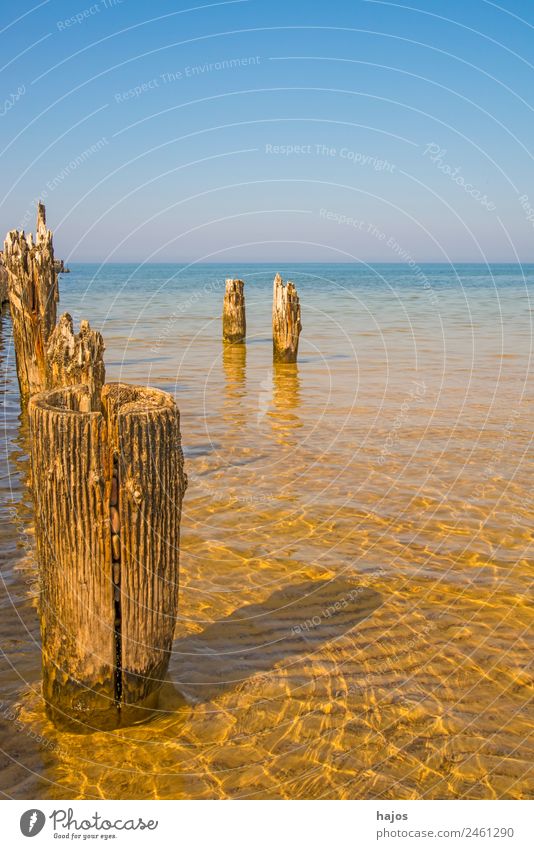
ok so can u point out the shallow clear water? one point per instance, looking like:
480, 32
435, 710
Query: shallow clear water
355, 618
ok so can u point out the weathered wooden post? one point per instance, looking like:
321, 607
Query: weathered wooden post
33, 295
108, 487
234, 321
286, 321
47, 355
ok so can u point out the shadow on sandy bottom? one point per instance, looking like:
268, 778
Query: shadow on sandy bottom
292, 622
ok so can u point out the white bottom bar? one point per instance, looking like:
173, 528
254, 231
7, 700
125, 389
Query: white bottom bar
264, 825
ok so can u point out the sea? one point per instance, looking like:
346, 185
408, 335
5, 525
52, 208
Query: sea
355, 610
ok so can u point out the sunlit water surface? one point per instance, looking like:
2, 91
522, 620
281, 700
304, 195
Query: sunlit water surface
355, 618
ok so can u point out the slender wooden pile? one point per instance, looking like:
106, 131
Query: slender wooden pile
144, 432
285, 317
286, 321
234, 320
70, 471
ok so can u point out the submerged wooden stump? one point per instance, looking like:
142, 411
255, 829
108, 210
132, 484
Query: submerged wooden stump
108, 489
234, 321
33, 295
286, 321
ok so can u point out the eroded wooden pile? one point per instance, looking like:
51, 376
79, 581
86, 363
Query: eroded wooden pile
47, 356
76, 358
108, 489
286, 321
33, 296
234, 320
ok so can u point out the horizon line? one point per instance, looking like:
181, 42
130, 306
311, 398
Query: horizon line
412, 264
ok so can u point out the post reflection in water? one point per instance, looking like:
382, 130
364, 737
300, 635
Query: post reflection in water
15, 448
234, 360
20, 661
234, 357
286, 391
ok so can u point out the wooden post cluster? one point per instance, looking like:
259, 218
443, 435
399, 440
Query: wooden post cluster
108, 483
286, 318
234, 320
47, 356
286, 321
108, 488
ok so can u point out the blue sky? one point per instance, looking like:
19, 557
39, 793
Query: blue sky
271, 131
